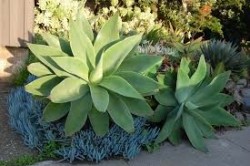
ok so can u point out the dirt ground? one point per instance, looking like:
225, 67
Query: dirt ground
11, 143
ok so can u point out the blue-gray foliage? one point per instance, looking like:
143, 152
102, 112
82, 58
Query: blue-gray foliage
26, 117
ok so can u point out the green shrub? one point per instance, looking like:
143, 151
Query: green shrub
92, 77
193, 104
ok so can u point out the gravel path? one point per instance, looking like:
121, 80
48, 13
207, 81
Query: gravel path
11, 144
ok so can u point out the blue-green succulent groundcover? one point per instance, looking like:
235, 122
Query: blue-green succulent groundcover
25, 115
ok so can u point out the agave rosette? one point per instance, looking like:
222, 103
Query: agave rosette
92, 77
192, 103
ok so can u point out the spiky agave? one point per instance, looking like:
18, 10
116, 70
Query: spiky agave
92, 77
192, 103
224, 56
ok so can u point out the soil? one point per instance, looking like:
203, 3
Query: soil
11, 143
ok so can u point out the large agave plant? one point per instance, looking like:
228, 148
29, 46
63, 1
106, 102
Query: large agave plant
92, 77
193, 103
224, 56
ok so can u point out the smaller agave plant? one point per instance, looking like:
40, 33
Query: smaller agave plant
96, 78
224, 56
192, 103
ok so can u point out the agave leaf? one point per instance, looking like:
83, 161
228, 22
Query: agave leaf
120, 113
100, 98
200, 73
54, 111
99, 122
83, 24
175, 136
217, 116
42, 86
138, 107
78, 114
184, 65
120, 86
43, 50
193, 132
81, 45
204, 126
183, 86
140, 64
217, 85
180, 111
57, 42
141, 83
160, 113
73, 66
69, 89
108, 33
166, 97
44, 54
166, 129
114, 55
38, 69
97, 74
219, 99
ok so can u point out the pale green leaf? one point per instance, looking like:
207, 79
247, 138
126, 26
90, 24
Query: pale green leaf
38, 69
140, 64
69, 89
99, 122
44, 54
81, 45
83, 24
73, 66
166, 97
42, 86
100, 98
120, 114
57, 42
217, 116
217, 85
120, 86
78, 114
183, 86
166, 129
138, 107
108, 33
160, 113
97, 74
54, 111
141, 83
114, 55
193, 132
200, 73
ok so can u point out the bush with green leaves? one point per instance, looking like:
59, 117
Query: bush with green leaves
192, 103
98, 78
224, 56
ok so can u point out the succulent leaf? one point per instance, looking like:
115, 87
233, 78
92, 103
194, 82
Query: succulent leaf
115, 54
73, 66
55, 111
141, 63
121, 86
38, 69
69, 89
141, 83
108, 33
78, 114
81, 45
43, 85
100, 98
120, 114
99, 122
